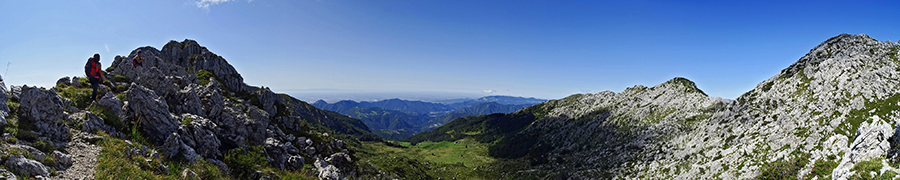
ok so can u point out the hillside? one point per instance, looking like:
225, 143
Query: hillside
832, 114
185, 114
399, 119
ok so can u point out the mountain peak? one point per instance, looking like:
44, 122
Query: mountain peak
680, 83
844, 47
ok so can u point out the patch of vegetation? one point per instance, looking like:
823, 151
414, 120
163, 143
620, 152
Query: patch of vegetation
823, 168
187, 121
120, 78
462, 159
783, 169
80, 96
204, 76
768, 86
882, 108
43, 146
864, 170
243, 162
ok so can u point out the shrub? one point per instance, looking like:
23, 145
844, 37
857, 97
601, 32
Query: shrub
243, 162
783, 169
204, 75
80, 96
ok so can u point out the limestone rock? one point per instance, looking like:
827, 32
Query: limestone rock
211, 99
295, 162
46, 110
111, 101
5, 174
63, 160
64, 80
188, 101
188, 174
28, 167
200, 134
77, 84
91, 122
152, 112
4, 109
173, 147
872, 141
327, 171
267, 101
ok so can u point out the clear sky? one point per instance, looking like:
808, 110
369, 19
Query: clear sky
544, 49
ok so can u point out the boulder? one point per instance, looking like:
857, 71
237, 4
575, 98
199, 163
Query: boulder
340, 160
173, 147
76, 83
327, 171
63, 160
267, 100
64, 80
295, 162
188, 174
200, 134
211, 99
4, 109
277, 154
46, 110
91, 122
15, 92
188, 101
112, 102
152, 112
28, 167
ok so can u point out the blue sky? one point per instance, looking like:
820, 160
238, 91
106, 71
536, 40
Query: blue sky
544, 49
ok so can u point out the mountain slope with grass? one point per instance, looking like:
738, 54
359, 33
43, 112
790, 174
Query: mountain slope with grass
831, 115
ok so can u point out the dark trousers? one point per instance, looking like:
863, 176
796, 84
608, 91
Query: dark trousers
94, 84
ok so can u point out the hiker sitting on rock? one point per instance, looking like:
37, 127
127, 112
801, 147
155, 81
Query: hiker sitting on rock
138, 60
92, 70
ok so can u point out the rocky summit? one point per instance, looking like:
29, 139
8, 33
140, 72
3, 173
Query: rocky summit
185, 114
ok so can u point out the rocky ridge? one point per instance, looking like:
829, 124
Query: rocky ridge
183, 103
833, 114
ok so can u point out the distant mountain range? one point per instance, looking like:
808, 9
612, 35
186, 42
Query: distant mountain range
399, 119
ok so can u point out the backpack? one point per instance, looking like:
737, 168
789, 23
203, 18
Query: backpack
89, 68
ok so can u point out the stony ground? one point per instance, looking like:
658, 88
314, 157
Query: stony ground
84, 157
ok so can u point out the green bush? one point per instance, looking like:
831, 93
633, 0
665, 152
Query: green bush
204, 75
783, 169
823, 168
80, 96
243, 162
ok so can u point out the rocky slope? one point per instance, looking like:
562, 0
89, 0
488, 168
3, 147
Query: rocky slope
831, 115
186, 104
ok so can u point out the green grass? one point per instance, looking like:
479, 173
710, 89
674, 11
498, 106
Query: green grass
243, 162
462, 159
80, 96
204, 75
823, 168
783, 169
864, 170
